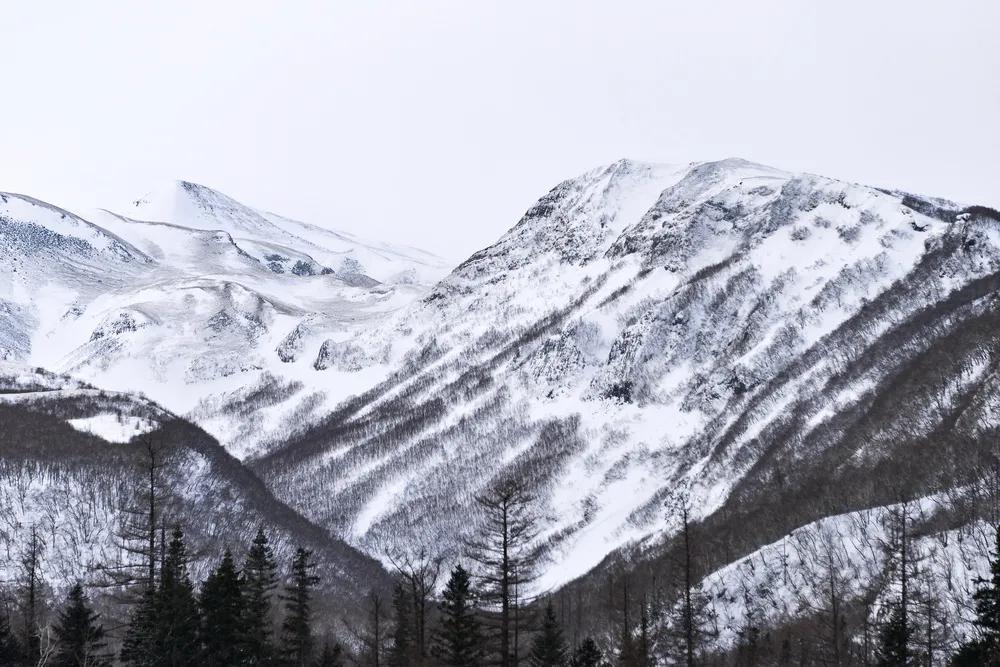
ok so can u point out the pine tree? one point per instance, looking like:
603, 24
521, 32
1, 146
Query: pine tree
296, 630
458, 642
137, 646
259, 579
79, 638
628, 647
587, 654
176, 618
222, 616
32, 585
402, 652
332, 656
894, 641
548, 648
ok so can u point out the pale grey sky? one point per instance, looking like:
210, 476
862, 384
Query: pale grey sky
438, 123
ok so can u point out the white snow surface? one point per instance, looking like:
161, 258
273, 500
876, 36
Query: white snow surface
190, 297
113, 427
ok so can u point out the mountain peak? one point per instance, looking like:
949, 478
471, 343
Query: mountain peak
197, 206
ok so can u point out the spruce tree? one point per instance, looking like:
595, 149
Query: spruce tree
222, 616
402, 652
587, 655
176, 619
31, 595
79, 638
296, 630
548, 648
458, 642
259, 579
894, 641
137, 646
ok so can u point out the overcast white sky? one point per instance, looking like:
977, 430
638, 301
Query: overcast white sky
438, 123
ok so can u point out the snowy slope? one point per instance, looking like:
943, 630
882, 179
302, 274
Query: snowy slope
282, 244
73, 466
203, 302
645, 328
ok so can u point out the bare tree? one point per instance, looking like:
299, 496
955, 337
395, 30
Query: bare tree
420, 574
504, 551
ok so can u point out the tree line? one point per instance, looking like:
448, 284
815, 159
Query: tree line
250, 611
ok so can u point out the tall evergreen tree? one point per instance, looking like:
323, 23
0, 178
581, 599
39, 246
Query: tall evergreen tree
137, 646
682, 507
645, 647
31, 595
79, 638
403, 652
587, 654
548, 648
222, 616
458, 642
628, 647
296, 630
259, 580
176, 619
894, 640
692, 622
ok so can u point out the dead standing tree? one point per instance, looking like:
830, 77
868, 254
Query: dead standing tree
503, 550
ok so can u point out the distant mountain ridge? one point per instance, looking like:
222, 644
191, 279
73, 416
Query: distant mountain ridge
190, 295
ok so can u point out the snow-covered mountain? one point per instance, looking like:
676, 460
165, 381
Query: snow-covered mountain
196, 300
725, 328
784, 348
